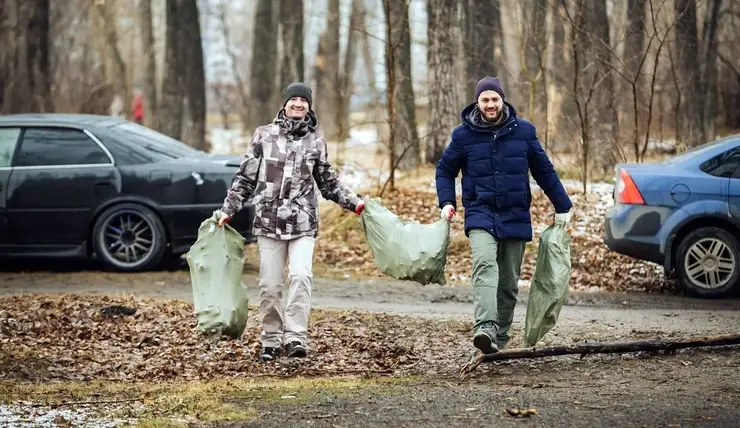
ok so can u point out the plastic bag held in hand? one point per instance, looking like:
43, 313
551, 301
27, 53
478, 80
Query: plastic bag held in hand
216, 263
406, 250
549, 286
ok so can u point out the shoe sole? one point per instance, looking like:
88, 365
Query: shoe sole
485, 344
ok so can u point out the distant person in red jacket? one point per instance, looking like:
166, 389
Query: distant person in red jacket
138, 108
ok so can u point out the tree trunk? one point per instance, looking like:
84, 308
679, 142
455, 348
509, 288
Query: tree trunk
115, 66
482, 31
327, 73
170, 112
195, 83
407, 153
150, 63
533, 61
346, 79
291, 26
7, 53
442, 81
25, 70
709, 70
376, 112
606, 121
262, 77
562, 109
687, 53
634, 52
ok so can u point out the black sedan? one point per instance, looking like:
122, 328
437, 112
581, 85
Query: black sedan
82, 186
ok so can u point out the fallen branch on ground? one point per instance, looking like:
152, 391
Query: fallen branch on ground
649, 345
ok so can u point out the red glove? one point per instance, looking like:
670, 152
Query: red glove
360, 207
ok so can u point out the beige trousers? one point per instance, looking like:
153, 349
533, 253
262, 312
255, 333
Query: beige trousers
278, 326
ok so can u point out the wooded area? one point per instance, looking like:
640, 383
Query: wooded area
617, 78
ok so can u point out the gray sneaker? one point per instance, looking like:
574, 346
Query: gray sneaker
484, 339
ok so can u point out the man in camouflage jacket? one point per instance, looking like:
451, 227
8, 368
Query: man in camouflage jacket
282, 162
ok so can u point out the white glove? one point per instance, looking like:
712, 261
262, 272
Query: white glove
448, 212
562, 217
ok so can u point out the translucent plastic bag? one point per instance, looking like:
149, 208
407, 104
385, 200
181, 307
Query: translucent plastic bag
406, 250
216, 263
549, 286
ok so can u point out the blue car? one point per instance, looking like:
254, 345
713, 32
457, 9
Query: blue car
683, 213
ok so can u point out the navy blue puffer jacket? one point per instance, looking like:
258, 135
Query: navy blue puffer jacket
495, 164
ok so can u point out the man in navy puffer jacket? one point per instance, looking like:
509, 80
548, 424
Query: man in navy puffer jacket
496, 150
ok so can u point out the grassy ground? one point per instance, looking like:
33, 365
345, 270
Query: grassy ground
175, 404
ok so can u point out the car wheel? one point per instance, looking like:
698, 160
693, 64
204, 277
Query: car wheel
708, 259
129, 238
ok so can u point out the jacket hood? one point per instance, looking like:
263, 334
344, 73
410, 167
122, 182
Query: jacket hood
466, 115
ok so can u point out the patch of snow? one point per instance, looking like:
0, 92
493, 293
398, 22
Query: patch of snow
226, 141
362, 137
24, 414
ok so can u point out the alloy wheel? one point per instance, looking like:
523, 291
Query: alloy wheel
128, 237
710, 263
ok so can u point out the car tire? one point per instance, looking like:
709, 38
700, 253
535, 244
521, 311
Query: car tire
129, 238
708, 262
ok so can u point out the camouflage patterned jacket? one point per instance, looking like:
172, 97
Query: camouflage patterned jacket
280, 166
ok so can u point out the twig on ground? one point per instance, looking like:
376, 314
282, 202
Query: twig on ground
650, 345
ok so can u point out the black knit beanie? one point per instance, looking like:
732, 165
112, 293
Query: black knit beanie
489, 83
297, 89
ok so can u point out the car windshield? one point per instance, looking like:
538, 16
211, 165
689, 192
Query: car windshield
696, 151
154, 142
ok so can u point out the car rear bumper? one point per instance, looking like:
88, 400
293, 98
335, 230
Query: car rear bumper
633, 230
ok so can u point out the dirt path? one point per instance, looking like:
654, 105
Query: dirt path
691, 389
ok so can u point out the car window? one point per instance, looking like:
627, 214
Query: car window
8, 141
158, 146
59, 147
723, 165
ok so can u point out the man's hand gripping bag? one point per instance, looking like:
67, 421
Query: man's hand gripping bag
220, 297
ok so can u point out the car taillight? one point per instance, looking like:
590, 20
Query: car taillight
627, 191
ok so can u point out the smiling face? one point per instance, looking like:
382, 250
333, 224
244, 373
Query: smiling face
296, 108
491, 105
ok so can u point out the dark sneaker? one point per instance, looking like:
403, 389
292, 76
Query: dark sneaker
269, 353
295, 350
483, 340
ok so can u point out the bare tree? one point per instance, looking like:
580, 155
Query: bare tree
606, 127
442, 82
240, 86
482, 20
171, 110
194, 80
150, 66
327, 71
687, 51
634, 56
263, 75
708, 70
533, 52
291, 30
114, 65
26, 75
346, 78
404, 147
